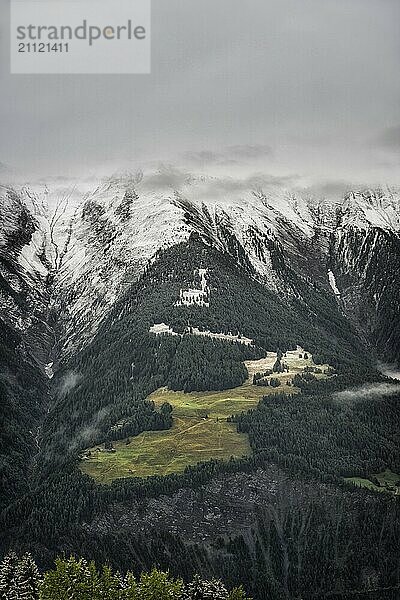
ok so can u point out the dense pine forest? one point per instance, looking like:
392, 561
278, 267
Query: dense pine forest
343, 438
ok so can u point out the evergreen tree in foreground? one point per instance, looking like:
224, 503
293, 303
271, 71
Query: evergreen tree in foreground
158, 586
8, 577
205, 590
28, 578
77, 579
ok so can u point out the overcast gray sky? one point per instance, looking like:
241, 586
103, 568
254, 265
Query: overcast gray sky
306, 88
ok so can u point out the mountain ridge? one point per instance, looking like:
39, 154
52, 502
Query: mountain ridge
84, 251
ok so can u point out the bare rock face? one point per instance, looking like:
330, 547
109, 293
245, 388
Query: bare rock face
221, 508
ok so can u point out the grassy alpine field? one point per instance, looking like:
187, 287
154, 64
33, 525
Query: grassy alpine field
200, 429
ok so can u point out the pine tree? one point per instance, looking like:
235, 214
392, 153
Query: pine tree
130, 587
8, 577
158, 585
72, 579
166, 408
238, 594
28, 578
199, 589
110, 585
277, 366
76, 579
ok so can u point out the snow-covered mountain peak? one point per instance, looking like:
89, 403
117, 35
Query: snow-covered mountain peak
371, 208
24, 232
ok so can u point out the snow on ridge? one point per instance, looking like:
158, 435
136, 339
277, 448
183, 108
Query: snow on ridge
372, 208
91, 258
100, 255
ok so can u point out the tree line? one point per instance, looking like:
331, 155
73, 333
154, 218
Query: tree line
77, 579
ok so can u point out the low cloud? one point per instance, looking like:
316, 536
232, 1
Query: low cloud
224, 187
203, 157
166, 177
195, 186
369, 391
390, 370
231, 155
250, 151
332, 189
88, 434
390, 138
68, 382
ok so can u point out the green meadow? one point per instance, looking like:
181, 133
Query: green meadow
200, 430
387, 480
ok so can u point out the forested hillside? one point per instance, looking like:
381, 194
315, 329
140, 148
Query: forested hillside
23, 393
101, 392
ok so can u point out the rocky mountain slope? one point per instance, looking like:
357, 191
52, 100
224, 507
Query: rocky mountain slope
68, 255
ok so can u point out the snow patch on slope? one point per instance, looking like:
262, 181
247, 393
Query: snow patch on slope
162, 328
332, 283
29, 257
